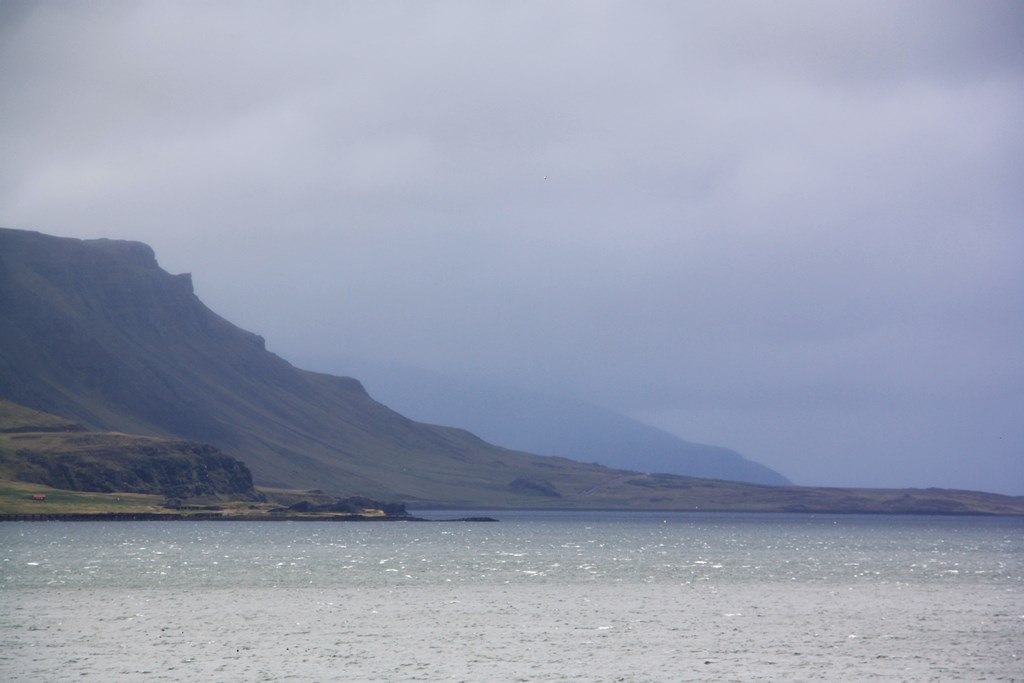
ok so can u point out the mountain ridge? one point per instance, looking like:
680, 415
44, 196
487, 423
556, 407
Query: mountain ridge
96, 332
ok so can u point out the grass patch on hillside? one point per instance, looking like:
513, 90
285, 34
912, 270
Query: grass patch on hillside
16, 499
14, 416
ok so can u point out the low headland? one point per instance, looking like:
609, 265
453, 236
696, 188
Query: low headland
55, 469
22, 501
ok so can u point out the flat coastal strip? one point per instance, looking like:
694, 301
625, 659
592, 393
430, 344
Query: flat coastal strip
211, 517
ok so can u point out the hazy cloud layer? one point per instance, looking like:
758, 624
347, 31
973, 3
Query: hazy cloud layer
794, 229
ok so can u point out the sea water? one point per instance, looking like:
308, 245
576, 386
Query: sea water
592, 596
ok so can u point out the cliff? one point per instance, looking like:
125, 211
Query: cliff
43, 449
96, 332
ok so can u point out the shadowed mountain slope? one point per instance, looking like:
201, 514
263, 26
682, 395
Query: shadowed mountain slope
94, 331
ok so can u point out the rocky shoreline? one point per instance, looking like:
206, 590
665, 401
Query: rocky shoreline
214, 517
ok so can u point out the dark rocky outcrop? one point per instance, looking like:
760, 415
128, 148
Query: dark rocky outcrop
116, 463
352, 505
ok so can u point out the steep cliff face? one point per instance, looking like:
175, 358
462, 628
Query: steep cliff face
95, 331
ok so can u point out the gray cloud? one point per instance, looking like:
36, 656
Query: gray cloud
792, 229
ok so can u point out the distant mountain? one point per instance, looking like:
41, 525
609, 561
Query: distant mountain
96, 332
549, 425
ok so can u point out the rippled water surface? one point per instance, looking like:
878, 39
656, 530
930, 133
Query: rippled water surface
537, 596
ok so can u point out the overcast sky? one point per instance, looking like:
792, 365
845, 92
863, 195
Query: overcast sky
795, 229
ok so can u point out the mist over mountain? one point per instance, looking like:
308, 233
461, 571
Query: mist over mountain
96, 331
542, 423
